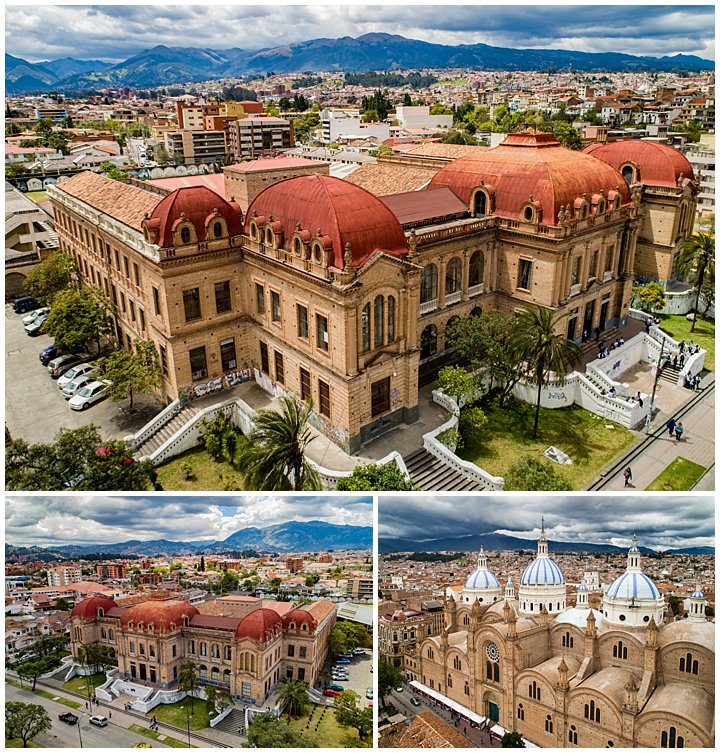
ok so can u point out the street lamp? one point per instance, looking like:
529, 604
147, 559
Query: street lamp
189, 717
79, 732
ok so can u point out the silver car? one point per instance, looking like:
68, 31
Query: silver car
75, 385
58, 366
89, 394
70, 375
30, 318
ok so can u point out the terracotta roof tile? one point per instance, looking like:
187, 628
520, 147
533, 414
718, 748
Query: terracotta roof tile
126, 204
438, 149
385, 179
429, 731
320, 609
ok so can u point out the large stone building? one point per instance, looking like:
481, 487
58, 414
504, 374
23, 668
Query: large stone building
336, 294
246, 652
621, 676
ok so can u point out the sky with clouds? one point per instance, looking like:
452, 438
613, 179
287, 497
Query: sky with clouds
45, 520
107, 31
659, 521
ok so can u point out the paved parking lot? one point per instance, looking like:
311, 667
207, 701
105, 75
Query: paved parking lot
34, 408
360, 676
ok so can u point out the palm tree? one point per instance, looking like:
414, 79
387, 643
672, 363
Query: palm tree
292, 696
543, 350
188, 680
697, 259
272, 456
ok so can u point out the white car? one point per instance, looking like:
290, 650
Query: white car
30, 318
74, 386
82, 369
34, 327
88, 395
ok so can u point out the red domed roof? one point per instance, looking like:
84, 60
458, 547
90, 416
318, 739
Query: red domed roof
199, 205
300, 617
657, 164
161, 614
88, 608
531, 165
342, 211
258, 624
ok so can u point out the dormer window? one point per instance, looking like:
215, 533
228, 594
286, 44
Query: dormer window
269, 237
100, 612
217, 229
254, 231
318, 253
630, 173
297, 247
528, 214
185, 235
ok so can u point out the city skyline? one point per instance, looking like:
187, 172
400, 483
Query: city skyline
91, 31
659, 522
54, 520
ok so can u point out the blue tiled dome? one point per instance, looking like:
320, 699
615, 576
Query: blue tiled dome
482, 578
633, 585
542, 571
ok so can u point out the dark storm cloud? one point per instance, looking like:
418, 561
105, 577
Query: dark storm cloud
56, 519
115, 32
659, 521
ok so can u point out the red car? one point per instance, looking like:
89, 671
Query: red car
331, 692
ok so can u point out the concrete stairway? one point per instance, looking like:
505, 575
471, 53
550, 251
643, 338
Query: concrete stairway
166, 431
429, 474
233, 723
670, 374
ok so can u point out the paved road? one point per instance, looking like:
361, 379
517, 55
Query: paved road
68, 736
34, 408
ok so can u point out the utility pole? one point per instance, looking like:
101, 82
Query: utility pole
654, 389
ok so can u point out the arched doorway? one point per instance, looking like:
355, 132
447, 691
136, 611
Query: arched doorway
428, 342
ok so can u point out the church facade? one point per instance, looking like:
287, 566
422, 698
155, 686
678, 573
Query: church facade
619, 676
331, 293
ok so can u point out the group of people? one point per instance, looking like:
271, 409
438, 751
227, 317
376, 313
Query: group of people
604, 351
675, 429
692, 382
651, 321
154, 724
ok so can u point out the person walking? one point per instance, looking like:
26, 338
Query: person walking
671, 426
679, 431
627, 474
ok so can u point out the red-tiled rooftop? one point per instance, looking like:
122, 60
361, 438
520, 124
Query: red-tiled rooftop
214, 181
215, 623
273, 163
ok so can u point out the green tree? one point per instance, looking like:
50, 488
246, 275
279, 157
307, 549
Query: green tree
374, 477
25, 721
458, 137
31, 669
568, 136
305, 125
389, 678
472, 425
440, 110
311, 579
220, 437
13, 129
15, 170
337, 642
273, 457
79, 317
544, 351
52, 276
292, 696
269, 731
67, 122
650, 297
512, 740
62, 604
695, 261
43, 126
188, 680
348, 714
534, 474
456, 381
113, 172
357, 635
132, 372
78, 459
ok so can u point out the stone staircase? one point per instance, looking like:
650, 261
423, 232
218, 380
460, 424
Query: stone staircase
166, 431
233, 723
429, 474
670, 374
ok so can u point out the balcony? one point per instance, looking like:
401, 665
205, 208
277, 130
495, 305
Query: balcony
452, 298
428, 306
474, 290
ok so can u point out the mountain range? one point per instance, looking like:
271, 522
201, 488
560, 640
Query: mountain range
499, 541
163, 65
294, 536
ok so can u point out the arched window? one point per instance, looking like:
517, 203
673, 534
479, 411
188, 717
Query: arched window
227, 654
567, 640
391, 318
191, 647
215, 651
449, 681
528, 214
103, 633
428, 284
203, 671
466, 620
217, 229
111, 634
457, 664
297, 246
548, 723
477, 268
430, 653
365, 327
269, 236
620, 651
185, 234
378, 321
203, 649
453, 276
521, 712
572, 735
215, 674
428, 342
467, 688
671, 739
534, 690
480, 204
592, 712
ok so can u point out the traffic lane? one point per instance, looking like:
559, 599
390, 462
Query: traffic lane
64, 735
34, 408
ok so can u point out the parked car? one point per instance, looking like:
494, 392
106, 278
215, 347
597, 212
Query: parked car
89, 394
358, 652
30, 318
414, 701
98, 721
369, 693
331, 692
342, 661
26, 303
47, 354
75, 385
34, 327
399, 690
335, 686
68, 717
58, 366
76, 371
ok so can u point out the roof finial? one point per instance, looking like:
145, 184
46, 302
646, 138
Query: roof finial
542, 526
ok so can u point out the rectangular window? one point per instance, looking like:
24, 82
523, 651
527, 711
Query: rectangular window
324, 396
191, 301
301, 673
136, 269
222, 297
156, 301
575, 276
264, 358
291, 650
142, 318
302, 321
525, 274
132, 309
380, 396
593, 264
304, 384
275, 306
227, 354
322, 332
303, 652
259, 298
198, 363
127, 267
609, 258
279, 367
122, 301
117, 260
163, 360
246, 690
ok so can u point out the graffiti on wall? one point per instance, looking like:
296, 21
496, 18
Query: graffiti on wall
217, 384
559, 397
334, 433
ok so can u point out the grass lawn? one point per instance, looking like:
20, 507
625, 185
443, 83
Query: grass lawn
680, 476
36, 196
678, 327
45, 694
207, 474
171, 741
16, 742
175, 714
79, 684
330, 734
579, 433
